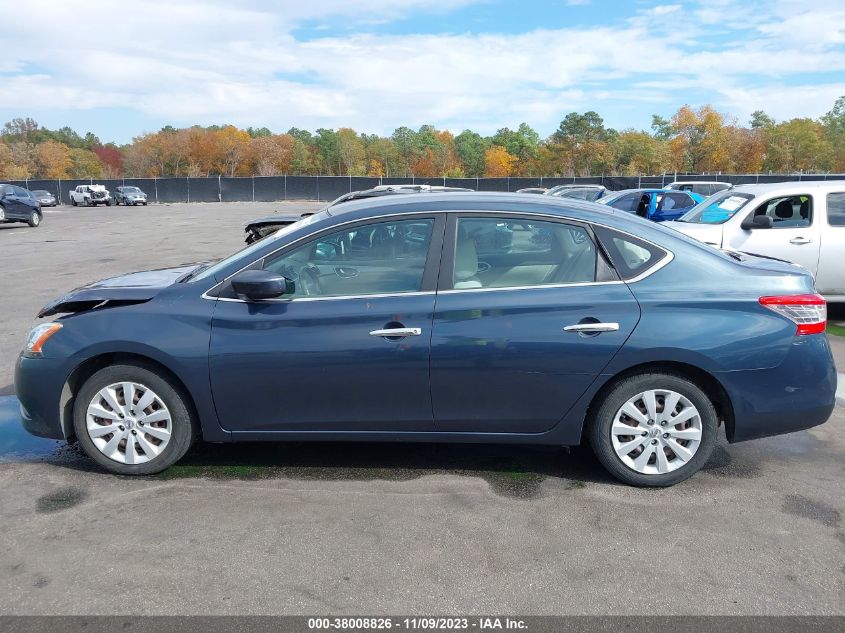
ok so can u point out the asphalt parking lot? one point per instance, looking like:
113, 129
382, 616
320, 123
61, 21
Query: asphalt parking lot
384, 528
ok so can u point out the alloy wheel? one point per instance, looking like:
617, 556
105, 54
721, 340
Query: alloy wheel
128, 423
657, 431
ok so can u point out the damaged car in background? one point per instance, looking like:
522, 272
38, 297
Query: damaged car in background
267, 225
90, 195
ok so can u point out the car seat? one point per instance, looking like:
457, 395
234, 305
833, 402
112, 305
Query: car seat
466, 263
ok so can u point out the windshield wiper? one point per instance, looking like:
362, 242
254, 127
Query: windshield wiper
193, 273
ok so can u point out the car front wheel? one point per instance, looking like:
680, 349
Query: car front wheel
34, 219
131, 421
654, 429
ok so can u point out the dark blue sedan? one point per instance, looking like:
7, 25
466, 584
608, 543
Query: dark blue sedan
455, 317
660, 205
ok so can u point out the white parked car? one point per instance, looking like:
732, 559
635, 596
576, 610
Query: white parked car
800, 222
90, 195
703, 187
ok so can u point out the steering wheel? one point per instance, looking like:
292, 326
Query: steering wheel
309, 280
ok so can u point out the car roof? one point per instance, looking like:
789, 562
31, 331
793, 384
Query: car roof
699, 182
799, 186
469, 200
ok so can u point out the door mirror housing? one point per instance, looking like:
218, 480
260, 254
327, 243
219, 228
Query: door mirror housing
757, 222
258, 285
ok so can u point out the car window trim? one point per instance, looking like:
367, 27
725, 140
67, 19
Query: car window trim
430, 272
446, 216
604, 265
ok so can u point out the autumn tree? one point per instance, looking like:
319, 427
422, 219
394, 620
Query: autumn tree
84, 164
272, 154
52, 160
351, 153
498, 162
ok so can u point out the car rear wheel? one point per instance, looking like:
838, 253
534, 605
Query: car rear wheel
34, 219
654, 429
131, 421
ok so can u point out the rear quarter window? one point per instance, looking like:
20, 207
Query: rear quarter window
631, 256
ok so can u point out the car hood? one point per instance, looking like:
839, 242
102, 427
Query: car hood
125, 289
707, 233
280, 219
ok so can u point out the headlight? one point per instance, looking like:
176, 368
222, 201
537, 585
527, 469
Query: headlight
38, 336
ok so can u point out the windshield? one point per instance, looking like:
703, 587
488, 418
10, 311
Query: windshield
212, 269
40, 192
131, 190
718, 208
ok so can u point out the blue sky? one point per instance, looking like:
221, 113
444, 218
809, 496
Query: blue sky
377, 64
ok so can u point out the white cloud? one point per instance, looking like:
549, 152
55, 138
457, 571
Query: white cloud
241, 62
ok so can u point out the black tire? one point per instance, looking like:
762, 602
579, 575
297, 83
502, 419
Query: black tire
183, 431
108, 203
34, 219
599, 427
73, 202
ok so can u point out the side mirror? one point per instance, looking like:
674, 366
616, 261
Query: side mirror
257, 285
757, 222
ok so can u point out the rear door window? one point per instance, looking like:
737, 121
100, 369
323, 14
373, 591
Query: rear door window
836, 209
675, 202
508, 253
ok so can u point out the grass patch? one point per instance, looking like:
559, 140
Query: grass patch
835, 330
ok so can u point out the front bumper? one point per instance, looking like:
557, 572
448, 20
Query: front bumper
38, 385
798, 394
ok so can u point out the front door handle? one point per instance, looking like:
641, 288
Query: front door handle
397, 332
592, 327
800, 240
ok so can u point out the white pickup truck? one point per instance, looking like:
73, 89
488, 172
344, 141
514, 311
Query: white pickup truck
88, 195
800, 222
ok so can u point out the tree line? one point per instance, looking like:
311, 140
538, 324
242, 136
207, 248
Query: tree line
693, 140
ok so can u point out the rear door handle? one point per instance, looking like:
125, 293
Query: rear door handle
398, 331
592, 327
800, 240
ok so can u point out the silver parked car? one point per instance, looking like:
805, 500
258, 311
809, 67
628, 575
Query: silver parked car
799, 222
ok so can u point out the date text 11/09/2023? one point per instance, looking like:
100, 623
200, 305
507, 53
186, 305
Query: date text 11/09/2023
486, 623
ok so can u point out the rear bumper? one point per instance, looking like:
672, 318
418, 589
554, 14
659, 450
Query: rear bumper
38, 385
798, 394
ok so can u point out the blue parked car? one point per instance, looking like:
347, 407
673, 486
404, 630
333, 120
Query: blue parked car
405, 318
659, 205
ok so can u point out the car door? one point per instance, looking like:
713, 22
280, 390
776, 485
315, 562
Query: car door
794, 235
830, 279
672, 205
520, 332
323, 358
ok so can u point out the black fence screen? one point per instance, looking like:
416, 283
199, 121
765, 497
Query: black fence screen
326, 188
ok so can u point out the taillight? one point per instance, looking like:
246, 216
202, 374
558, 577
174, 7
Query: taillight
808, 312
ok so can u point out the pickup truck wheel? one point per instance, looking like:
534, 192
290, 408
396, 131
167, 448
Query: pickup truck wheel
72, 202
108, 203
34, 219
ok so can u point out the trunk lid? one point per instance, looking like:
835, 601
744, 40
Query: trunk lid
708, 233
